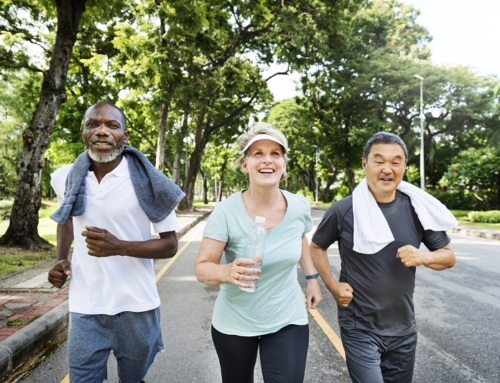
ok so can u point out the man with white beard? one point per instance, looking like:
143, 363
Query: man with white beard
109, 198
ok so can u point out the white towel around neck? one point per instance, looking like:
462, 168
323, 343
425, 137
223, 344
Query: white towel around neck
371, 230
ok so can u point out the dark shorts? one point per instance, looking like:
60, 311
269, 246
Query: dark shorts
379, 359
134, 338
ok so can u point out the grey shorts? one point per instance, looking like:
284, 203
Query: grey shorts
379, 359
134, 338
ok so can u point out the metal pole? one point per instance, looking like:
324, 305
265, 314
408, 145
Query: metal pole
422, 117
316, 170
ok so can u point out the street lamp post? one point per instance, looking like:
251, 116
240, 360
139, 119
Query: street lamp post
316, 168
422, 117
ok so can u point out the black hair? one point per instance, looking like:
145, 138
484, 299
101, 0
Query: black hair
384, 138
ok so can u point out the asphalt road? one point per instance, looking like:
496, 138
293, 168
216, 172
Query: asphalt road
458, 318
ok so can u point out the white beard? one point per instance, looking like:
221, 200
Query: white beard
104, 158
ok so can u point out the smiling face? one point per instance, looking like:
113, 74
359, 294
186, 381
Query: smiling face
384, 169
264, 163
104, 132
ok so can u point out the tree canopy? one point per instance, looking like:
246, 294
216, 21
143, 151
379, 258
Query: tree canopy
191, 76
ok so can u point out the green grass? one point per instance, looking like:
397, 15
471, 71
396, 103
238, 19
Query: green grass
463, 219
15, 323
198, 204
14, 259
19, 259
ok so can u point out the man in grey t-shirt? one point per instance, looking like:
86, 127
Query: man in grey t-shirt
374, 292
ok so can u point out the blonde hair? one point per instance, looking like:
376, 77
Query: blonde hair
256, 129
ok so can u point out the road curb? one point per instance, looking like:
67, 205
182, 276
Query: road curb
186, 228
471, 232
23, 344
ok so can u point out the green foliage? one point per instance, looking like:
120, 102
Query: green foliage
5, 207
218, 164
15, 322
16, 104
474, 166
465, 199
492, 216
412, 174
204, 63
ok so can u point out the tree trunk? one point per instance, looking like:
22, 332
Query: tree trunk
205, 187
23, 226
203, 131
189, 183
221, 185
351, 182
176, 168
160, 147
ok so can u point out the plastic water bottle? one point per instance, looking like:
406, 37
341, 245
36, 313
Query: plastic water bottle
254, 249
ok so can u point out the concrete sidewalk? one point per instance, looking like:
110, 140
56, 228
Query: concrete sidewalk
34, 314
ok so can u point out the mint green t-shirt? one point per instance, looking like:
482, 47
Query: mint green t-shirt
278, 301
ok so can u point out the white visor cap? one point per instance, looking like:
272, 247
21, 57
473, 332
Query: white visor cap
259, 137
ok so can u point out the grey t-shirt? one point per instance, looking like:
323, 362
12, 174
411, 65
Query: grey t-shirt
383, 287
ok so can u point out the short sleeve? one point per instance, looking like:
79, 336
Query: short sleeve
58, 181
326, 233
308, 223
216, 227
434, 240
170, 223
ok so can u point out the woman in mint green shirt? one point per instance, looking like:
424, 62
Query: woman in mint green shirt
272, 320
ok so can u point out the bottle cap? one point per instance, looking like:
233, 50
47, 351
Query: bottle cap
259, 219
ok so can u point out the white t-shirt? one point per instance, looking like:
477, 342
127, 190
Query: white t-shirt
111, 285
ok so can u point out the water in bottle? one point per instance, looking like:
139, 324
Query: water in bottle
254, 249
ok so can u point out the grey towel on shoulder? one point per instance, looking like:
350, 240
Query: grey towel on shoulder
157, 194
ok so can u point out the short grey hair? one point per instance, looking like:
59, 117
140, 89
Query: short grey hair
256, 129
384, 138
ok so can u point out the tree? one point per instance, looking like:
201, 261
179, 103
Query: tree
15, 104
23, 227
473, 167
200, 67
371, 88
343, 92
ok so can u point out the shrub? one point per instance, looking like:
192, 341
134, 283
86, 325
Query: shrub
465, 199
492, 216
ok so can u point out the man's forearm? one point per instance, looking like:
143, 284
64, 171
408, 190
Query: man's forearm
156, 248
64, 239
441, 259
322, 265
